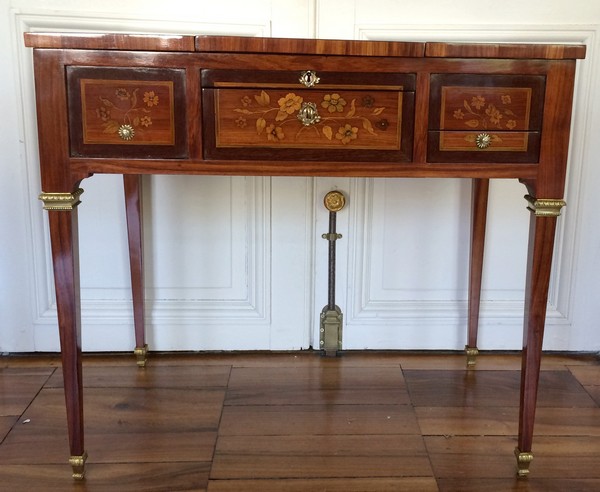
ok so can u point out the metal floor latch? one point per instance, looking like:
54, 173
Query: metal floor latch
330, 333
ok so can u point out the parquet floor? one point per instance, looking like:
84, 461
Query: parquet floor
300, 422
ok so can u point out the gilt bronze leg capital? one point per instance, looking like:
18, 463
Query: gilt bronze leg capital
545, 207
61, 201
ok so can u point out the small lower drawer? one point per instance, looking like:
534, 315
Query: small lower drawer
457, 146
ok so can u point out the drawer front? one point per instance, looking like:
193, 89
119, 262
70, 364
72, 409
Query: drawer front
485, 118
115, 112
270, 115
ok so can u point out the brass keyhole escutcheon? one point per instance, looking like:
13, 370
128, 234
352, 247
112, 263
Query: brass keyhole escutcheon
309, 78
483, 140
308, 114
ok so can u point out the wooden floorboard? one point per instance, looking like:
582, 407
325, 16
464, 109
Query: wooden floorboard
374, 421
125, 477
317, 385
320, 456
410, 484
488, 388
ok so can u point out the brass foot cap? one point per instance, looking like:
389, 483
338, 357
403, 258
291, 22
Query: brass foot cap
523, 462
141, 354
78, 465
472, 354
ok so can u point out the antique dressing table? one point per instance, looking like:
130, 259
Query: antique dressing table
154, 104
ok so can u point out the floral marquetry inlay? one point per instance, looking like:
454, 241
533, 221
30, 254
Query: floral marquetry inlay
502, 114
127, 111
485, 108
266, 118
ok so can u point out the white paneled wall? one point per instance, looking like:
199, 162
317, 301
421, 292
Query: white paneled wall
239, 263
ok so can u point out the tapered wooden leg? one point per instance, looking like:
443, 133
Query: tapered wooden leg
539, 261
64, 239
132, 184
479, 204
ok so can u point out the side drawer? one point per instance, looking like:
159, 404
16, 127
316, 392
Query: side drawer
272, 115
485, 118
127, 112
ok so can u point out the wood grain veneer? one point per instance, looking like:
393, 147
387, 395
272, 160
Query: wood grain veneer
494, 50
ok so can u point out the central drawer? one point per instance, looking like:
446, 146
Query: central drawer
304, 115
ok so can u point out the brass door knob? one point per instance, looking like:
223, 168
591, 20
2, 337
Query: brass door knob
334, 201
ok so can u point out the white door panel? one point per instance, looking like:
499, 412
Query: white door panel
239, 263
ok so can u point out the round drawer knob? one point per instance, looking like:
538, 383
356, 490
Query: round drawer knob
126, 132
483, 140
